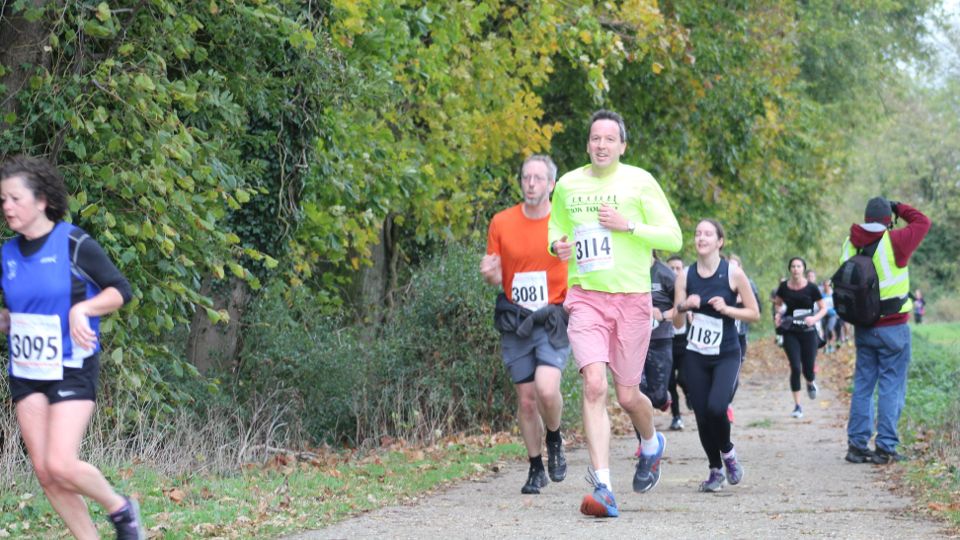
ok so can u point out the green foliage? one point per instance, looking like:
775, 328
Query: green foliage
433, 368
719, 116
147, 120
913, 156
944, 309
847, 45
167, 118
271, 141
932, 395
931, 417
293, 343
446, 326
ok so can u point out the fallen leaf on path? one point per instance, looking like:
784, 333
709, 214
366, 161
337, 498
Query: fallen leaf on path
206, 529
174, 494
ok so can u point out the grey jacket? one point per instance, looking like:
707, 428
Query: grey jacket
509, 317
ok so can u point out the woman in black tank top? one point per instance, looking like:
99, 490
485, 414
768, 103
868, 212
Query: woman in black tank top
798, 323
709, 290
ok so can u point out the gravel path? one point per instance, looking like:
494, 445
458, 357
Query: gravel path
797, 485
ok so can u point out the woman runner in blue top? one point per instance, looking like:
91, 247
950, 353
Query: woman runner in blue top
57, 282
709, 289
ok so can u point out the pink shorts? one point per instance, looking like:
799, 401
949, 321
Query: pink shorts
612, 328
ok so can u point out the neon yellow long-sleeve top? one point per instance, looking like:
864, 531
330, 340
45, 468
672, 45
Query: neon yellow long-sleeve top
606, 260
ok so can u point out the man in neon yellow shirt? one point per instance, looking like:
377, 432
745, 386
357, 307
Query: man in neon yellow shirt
607, 218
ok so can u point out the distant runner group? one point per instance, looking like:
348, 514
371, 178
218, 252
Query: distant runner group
579, 273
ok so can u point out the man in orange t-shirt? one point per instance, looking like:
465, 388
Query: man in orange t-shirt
530, 316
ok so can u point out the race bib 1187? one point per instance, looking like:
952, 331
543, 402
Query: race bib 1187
705, 335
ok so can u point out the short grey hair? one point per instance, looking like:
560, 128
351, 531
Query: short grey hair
545, 159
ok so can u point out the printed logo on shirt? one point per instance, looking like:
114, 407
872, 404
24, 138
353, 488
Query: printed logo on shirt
590, 203
52, 259
11, 269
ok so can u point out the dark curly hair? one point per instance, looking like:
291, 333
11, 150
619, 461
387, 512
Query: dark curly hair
43, 179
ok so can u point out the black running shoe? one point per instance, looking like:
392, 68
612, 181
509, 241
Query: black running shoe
556, 461
855, 454
536, 479
884, 457
127, 522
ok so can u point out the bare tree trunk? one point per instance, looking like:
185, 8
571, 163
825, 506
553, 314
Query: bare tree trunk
391, 237
217, 346
21, 42
372, 291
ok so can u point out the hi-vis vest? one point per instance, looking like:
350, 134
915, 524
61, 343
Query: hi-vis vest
894, 281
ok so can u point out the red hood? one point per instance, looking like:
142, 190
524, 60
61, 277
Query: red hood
866, 233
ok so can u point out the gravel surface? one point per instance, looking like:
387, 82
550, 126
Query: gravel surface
796, 485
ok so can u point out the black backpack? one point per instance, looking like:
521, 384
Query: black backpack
856, 288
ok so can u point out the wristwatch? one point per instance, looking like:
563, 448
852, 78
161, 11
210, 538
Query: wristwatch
631, 226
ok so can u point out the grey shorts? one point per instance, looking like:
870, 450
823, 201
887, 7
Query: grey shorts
523, 355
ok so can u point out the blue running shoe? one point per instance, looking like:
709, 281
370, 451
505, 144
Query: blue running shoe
601, 502
648, 469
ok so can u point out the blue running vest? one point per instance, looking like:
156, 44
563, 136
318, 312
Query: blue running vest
41, 284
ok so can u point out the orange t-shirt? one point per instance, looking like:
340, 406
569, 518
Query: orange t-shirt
521, 243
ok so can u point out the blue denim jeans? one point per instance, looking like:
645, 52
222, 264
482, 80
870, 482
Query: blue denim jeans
883, 355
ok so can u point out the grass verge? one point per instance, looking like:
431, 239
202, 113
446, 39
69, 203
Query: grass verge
292, 492
932, 420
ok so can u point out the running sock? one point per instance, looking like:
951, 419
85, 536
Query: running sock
604, 476
536, 462
649, 447
731, 453
122, 510
553, 436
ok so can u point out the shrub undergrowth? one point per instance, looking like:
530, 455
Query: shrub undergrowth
932, 418
432, 367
